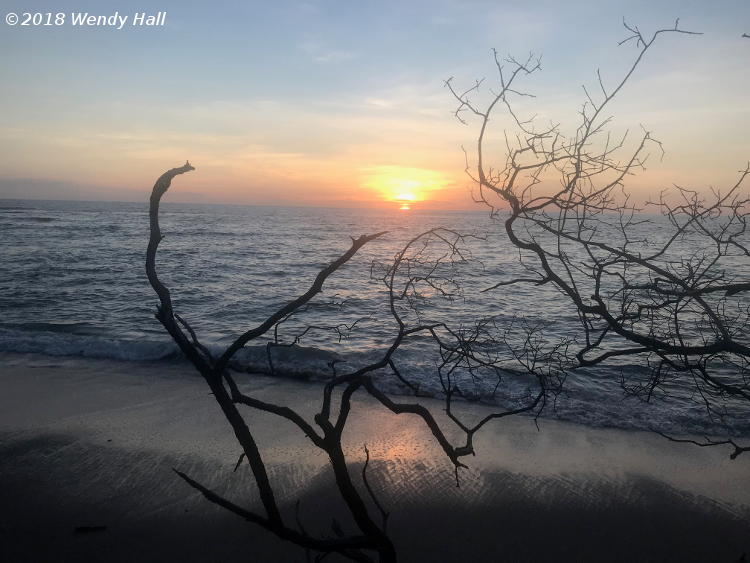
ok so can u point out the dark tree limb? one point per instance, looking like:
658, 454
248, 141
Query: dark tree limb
216, 375
339, 544
707, 442
630, 296
314, 289
633, 297
372, 494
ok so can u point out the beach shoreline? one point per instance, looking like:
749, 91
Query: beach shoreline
90, 445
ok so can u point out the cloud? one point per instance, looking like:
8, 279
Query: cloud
322, 54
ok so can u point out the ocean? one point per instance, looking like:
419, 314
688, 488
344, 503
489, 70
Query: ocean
73, 284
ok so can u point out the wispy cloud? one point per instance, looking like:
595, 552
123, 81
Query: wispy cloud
321, 53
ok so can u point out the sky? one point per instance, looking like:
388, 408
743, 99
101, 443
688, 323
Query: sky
343, 103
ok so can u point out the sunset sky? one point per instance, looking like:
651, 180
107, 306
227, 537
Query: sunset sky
343, 103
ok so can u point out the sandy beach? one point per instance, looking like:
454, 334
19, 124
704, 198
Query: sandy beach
88, 448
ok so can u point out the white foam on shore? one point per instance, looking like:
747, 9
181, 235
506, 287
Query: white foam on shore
87, 346
593, 398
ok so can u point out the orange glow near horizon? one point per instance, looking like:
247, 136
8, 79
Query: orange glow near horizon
404, 185
405, 196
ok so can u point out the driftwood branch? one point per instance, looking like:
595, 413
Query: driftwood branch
315, 288
667, 304
216, 374
681, 317
708, 442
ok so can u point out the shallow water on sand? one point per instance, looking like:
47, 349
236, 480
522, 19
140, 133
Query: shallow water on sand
97, 445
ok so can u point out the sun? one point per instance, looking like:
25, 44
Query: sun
404, 199
403, 186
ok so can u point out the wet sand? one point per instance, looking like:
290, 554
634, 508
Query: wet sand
90, 445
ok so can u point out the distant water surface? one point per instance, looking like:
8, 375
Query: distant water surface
73, 283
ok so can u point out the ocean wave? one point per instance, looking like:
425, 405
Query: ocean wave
592, 399
60, 343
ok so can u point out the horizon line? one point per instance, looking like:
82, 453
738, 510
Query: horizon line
478, 208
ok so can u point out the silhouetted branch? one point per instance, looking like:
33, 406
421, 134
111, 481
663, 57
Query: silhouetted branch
216, 375
707, 442
340, 544
670, 302
295, 304
665, 302
372, 494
